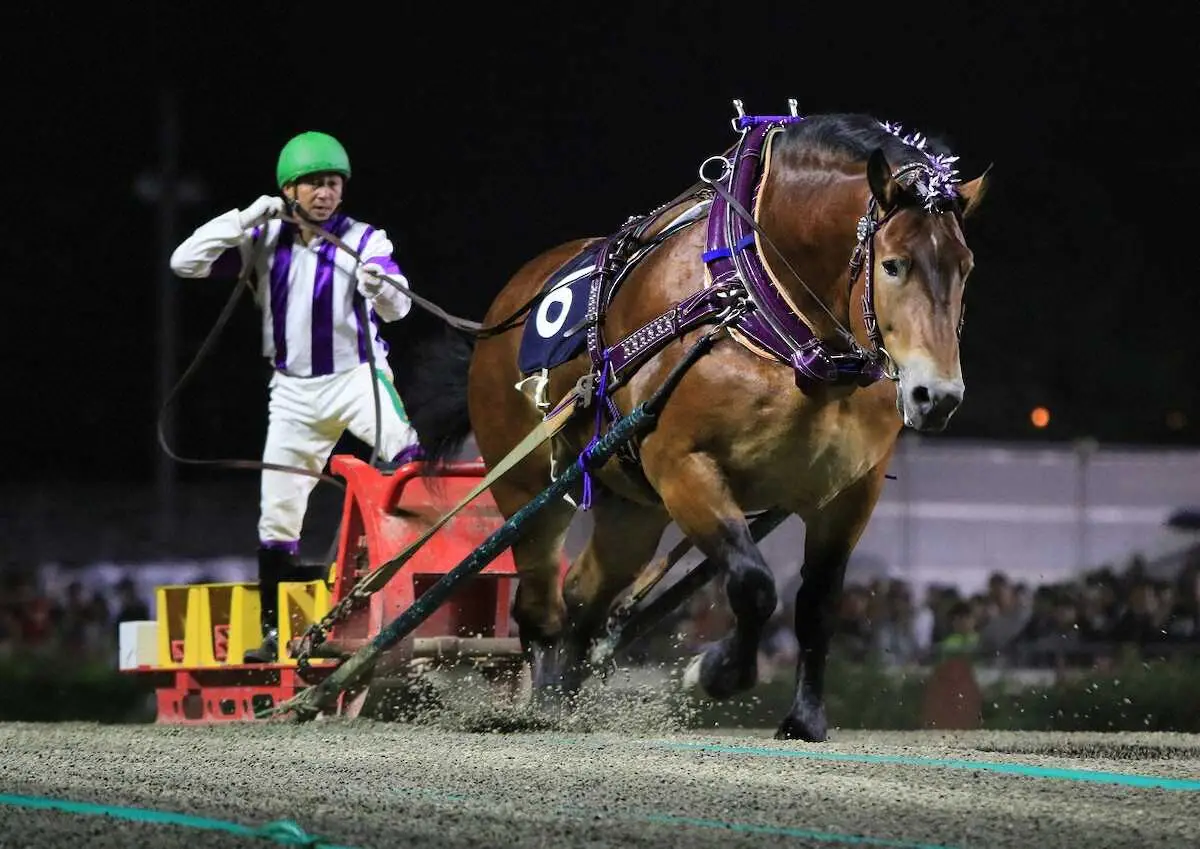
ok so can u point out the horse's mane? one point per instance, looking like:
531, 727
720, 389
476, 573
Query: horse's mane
855, 135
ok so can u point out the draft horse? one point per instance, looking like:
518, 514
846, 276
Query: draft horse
825, 258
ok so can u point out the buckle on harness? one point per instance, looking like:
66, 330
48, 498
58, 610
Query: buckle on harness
586, 388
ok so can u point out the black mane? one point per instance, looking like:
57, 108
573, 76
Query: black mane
856, 135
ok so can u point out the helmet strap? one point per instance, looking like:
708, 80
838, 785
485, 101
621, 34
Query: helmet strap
295, 210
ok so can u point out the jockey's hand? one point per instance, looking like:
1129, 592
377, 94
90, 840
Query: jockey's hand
261, 211
370, 283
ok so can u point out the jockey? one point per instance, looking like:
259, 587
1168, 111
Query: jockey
323, 353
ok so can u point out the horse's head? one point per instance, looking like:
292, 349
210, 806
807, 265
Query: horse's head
921, 263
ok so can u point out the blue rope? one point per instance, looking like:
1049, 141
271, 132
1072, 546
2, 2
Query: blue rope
586, 455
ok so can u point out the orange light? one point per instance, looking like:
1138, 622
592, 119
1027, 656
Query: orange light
1040, 416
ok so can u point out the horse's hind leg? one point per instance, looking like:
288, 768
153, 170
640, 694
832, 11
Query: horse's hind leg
538, 606
829, 538
695, 493
624, 538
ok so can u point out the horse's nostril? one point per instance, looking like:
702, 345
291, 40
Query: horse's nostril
920, 395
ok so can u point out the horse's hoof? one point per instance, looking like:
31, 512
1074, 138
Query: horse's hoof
722, 673
548, 701
691, 675
807, 725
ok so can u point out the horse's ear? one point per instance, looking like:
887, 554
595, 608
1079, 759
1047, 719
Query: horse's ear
879, 178
972, 193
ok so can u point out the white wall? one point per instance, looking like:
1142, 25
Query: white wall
956, 513
959, 511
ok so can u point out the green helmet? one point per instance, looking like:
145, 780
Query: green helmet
309, 153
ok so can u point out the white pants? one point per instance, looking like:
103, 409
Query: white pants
307, 416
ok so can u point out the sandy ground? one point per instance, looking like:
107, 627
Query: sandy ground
608, 777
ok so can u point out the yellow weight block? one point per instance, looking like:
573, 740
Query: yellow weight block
229, 622
300, 605
177, 615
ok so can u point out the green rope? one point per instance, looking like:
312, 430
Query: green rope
283, 832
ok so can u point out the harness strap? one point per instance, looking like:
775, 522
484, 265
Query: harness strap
619, 254
772, 322
699, 308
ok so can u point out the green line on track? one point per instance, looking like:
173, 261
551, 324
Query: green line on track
1122, 779
284, 832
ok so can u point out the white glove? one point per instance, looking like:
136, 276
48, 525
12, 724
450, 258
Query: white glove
369, 283
260, 212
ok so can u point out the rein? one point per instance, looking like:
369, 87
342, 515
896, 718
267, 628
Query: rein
453, 320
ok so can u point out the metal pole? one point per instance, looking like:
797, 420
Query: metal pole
167, 191
1084, 449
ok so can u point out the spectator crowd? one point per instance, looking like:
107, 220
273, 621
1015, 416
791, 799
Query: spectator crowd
80, 624
1078, 623
1071, 624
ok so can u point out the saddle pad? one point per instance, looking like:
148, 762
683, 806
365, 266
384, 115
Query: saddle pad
548, 340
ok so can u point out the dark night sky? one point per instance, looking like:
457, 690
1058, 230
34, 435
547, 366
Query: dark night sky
477, 141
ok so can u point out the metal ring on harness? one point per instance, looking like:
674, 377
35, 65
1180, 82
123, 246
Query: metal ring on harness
726, 169
887, 365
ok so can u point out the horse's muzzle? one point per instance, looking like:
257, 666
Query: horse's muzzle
928, 406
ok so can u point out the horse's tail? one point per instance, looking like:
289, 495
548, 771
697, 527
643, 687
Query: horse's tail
435, 393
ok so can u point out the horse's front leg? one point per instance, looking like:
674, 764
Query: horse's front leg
829, 538
697, 496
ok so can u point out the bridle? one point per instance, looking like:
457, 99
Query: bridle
864, 255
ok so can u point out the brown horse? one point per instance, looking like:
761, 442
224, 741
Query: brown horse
829, 277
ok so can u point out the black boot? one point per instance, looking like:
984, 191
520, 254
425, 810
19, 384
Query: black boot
272, 567
268, 651
275, 566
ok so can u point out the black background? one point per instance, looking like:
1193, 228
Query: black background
480, 136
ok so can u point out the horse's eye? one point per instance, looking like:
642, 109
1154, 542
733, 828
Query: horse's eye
893, 267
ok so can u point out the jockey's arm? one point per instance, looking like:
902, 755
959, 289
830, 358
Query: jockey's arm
221, 246
389, 302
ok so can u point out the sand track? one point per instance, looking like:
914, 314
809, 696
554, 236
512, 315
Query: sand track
366, 784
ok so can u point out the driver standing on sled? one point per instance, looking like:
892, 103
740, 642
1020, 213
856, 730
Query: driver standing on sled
310, 293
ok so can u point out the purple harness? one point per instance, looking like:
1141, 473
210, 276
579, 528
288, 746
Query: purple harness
772, 324
742, 295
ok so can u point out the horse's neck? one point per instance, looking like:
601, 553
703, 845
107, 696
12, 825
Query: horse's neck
814, 228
